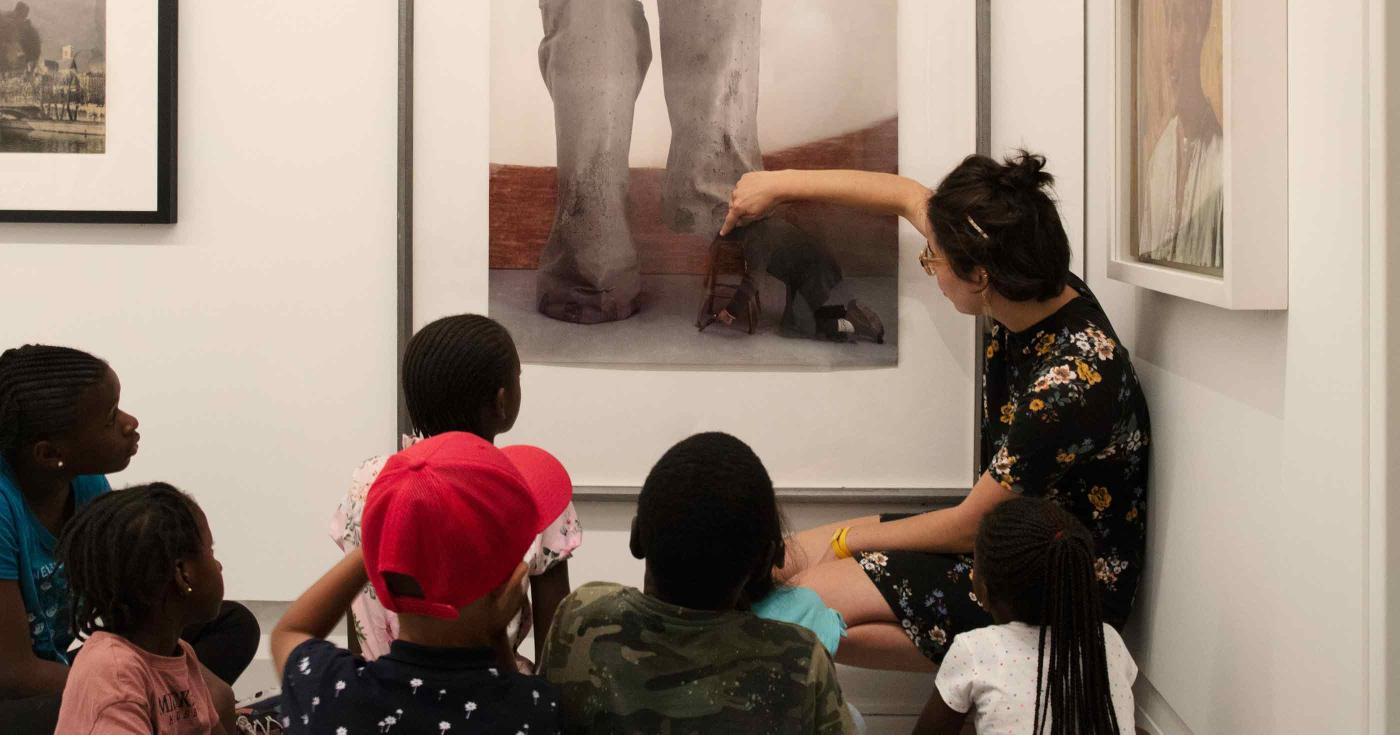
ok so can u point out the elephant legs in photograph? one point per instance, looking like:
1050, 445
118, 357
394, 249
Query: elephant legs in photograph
594, 56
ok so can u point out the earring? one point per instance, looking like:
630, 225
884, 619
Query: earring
189, 590
60, 464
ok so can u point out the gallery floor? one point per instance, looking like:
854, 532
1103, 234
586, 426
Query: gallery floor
663, 332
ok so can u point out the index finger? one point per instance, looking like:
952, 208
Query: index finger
731, 219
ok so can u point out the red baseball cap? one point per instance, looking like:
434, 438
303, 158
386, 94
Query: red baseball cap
548, 480
453, 513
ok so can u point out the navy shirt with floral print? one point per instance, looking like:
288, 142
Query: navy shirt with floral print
412, 689
1063, 418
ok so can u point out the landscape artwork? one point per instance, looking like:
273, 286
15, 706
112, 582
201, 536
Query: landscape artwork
53, 77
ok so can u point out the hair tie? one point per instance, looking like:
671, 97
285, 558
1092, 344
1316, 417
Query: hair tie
1060, 534
977, 227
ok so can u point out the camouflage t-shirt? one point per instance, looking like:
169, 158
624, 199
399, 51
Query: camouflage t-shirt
625, 662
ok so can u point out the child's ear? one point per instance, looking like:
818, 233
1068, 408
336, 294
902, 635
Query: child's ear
507, 597
502, 404
184, 577
46, 455
634, 542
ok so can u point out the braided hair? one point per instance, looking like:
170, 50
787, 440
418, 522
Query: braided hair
40, 386
998, 216
118, 553
707, 517
1038, 560
452, 370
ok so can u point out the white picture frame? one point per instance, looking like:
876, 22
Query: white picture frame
1255, 155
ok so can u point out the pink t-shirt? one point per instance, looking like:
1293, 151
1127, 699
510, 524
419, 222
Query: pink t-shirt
118, 687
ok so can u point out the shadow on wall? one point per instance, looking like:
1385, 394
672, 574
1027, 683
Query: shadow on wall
1241, 354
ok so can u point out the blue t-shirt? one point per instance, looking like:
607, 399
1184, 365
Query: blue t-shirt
27, 556
801, 606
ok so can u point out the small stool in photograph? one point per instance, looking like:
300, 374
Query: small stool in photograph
726, 260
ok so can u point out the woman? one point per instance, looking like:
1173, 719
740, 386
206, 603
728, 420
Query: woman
1063, 416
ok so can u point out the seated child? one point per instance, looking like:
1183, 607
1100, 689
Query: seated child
141, 569
792, 604
462, 373
1033, 570
61, 431
802, 606
682, 655
445, 527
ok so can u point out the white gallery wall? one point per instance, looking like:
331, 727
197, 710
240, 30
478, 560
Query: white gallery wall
1264, 606
1257, 615
254, 339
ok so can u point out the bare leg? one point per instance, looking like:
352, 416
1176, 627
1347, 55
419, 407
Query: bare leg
882, 646
874, 638
594, 56
709, 63
806, 548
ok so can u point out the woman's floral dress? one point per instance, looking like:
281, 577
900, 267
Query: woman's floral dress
1063, 418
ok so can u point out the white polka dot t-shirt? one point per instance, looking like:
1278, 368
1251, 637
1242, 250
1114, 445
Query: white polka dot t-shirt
992, 670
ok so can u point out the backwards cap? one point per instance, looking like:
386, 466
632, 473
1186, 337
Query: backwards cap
454, 514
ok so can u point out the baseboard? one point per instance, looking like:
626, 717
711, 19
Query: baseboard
1154, 715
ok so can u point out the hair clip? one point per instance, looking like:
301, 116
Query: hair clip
977, 227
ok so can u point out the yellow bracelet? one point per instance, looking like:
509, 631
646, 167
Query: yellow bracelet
838, 543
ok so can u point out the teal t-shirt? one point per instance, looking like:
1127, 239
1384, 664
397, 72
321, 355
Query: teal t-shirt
27, 556
801, 606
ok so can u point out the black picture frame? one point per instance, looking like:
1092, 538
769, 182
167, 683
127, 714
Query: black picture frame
167, 29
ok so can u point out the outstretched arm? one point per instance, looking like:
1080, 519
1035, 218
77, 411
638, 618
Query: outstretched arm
758, 192
947, 531
318, 610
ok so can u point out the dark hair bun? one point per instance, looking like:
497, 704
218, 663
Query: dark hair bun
1025, 172
999, 216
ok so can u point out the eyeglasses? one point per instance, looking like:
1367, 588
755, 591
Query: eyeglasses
928, 259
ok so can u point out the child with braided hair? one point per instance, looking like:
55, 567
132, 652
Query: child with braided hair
1050, 665
462, 373
141, 570
62, 431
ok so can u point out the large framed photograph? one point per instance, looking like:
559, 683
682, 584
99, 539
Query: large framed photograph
87, 110
1199, 170
619, 128
480, 171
